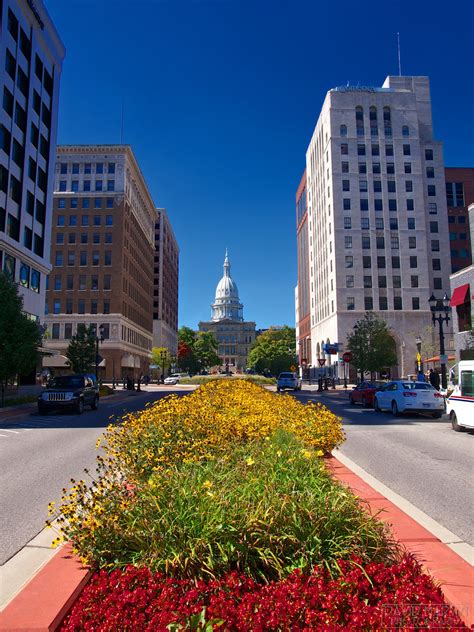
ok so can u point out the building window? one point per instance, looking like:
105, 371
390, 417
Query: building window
396, 262
345, 167
397, 302
344, 149
346, 204
409, 186
343, 130
412, 242
364, 204
432, 190
366, 262
86, 185
98, 185
57, 307
428, 154
106, 309
406, 150
97, 202
392, 205
97, 220
368, 303
349, 261
380, 243
405, 130
55, 330
347, 242
391, 186
96, 238
382, 281
110, 185
107, 281
58, 260
393, 223
108, 258
347, 222
397, 281
70, 282
438, 283
414, 280
389, 150
379, 223
349, 280
410, 204
110, 202
430, 172
383, 303
346, 185
435, 245
85, 220
375, 150
109, 220
377, 186
415, 302
390, 168
68, 331
95, 258
62, 185
60, 220
94, 282
367, 281
350, 303
381, 262
361, 150
376, 168
365, 242
378, 205
362, 167
363, 186
82, 282
57, 282
71, 259
436, 264
364, 223
68, 306
59, 238
433, 227
87, 168
432, 208
413, 262
81, 306
455, 193
83, 258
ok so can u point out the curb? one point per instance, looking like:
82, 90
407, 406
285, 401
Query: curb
450, 571
46, 599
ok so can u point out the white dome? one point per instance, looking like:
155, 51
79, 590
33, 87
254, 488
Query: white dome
226, 303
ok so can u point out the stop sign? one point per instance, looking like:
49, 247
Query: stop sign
347, 356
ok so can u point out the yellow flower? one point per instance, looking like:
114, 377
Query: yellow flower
207, 484
250, 461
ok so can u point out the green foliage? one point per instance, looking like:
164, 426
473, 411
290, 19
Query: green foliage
197, 350
274, 351
15, 401
204, 379
161, 357
265, 509
82, 350
372, 345
20, 337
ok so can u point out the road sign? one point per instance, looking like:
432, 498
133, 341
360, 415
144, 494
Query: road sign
331, 349
418, 357
98, 359
292, 368
321, 361
347, 356
443, 359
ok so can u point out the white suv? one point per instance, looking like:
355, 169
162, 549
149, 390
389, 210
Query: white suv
288, 380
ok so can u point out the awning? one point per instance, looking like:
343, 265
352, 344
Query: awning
459, 295
436, 358
57, 361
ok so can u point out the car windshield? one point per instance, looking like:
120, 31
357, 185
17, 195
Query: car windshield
286, 375
417, 386
67, 381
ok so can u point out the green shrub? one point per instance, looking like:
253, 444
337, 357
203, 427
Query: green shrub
267, 508
205, 379
105, 390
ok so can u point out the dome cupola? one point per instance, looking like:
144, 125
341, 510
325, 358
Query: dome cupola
226, 303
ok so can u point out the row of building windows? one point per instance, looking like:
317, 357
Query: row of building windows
383, 303
380, 225
461, 219
133, 337
81, 306
70, 258
392, 205
81, 282
86, 168
86, 220
374, 130
462, 253
73, 238
85, 202
99, 185
382, 281
391, 186
382, 262
389, 167
458, 236
28, 277
375, 150
68, 330
455, 194
394, 243
18, 114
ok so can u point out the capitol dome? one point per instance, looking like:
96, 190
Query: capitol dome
226, 303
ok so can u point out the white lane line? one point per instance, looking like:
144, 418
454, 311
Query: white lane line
6, 430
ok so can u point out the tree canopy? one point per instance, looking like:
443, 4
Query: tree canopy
372, 345
82, 349
197, 350
20, 336
161, 357
273, 351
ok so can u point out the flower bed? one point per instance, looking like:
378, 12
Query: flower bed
223, 494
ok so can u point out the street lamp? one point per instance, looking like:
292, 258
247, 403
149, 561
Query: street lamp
98, 338
418, 355
163, 357
440, 314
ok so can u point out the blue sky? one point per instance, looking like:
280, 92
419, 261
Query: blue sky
220, 100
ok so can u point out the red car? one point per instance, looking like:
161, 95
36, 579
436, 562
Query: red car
364, 393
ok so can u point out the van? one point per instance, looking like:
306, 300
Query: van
460, 403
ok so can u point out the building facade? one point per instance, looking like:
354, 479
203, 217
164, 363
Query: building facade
234, 335
377, 215
31, 57
459, 195
302, 297
103, 245
165, 285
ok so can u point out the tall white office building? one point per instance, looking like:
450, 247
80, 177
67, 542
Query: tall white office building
377, 215
31, 56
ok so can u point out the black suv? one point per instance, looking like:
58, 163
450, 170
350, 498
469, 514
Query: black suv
69, 391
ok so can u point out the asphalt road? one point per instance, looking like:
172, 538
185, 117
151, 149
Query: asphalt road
420, 458
39, 456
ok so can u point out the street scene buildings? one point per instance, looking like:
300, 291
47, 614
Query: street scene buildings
32, 54
233, 334
376, 216
103, 249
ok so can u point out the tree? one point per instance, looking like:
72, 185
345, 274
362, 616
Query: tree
161, 357
274, 351
205, 350
20, 337
81, 351
186, 358
372, 345
197, 350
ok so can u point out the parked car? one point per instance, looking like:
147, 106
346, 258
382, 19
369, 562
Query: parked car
364, 393
69, 391
172, 379
402, 396
288, 380
460, 403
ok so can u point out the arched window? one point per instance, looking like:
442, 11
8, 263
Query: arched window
374, 131
343, 130
386, 114
387, 121
360, 120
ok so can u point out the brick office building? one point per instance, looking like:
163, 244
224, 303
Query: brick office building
303, 322
102, 250
165, 289
459, 195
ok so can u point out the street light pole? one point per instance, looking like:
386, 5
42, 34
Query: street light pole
98, 338
418, 355
440, 314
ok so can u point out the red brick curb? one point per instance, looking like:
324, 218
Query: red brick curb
46, 599
448, 569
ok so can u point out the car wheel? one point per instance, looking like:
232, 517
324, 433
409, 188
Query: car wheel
376, 406
436, 415
95, 403
454, 423
395, 411
80, 407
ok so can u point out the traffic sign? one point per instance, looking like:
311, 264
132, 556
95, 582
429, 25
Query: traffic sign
443, 359
347, 356
322, 361
292, 368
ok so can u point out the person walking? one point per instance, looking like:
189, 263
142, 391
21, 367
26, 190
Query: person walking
437, 380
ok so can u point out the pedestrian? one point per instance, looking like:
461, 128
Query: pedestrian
436, 378
431, 377
420, 377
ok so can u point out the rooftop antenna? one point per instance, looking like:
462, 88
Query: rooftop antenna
121, 125
399, 57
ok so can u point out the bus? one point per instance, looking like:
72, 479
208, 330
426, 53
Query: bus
460, 403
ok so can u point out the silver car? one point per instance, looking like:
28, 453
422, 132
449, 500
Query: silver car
288, 380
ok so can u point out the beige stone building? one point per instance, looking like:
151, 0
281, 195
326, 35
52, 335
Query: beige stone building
102, 251
234, 335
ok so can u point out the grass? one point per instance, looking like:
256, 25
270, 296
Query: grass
266, 509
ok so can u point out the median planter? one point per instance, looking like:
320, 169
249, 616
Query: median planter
218, 509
